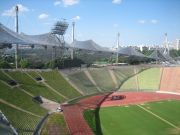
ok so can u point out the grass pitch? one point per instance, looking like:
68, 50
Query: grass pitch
155, 118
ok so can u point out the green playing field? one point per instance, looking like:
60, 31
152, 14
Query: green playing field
155, 118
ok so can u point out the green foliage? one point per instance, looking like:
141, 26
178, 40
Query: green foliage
24, 63
64, 63
4, 64
174, 53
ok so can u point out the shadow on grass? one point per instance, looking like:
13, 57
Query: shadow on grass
93, 119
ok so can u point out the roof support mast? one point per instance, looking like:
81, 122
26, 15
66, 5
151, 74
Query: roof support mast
17, 30
117, 55
72, 51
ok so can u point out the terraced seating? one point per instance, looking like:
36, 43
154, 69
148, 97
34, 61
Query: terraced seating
83, 83
56, 81
130, 84
170, 79
30, 85
103, 79
146, 80
17, 97
23, 122
149, 79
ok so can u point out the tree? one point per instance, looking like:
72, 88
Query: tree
24, 63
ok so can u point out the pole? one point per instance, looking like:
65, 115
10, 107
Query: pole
166, 44
72, 51
17, 30
117, 55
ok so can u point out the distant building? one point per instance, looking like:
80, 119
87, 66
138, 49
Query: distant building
177, 44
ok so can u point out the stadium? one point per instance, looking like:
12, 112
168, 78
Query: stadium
51, 87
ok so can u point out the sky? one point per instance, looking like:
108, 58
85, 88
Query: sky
137, 21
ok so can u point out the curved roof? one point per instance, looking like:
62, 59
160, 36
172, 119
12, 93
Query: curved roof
8, 36
88, 45
44, 39
130, 51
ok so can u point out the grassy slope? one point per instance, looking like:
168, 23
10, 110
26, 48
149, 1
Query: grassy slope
133, 120
55, 80
130, 84
4, 77
56, 120
149, 79
35, 88
103, 79
20, 99
83, 83
23, 122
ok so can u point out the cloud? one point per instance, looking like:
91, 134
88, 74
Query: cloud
43, 16
116, 1
56, 3
11, 11
76, 18
142, 21
70, 2
153, 21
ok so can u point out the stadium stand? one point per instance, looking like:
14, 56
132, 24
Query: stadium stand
20, 99
83, 83
30, 85
103, 79
56, 81
23, 122
148, 79
170, 80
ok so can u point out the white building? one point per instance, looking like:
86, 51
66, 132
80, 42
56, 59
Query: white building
177, 44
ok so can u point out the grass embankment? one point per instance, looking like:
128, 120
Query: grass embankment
83, 83
103, 79
146, 80
56, 81
24, 123
55, 123
30, 85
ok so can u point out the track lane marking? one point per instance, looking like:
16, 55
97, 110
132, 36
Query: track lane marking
167, 122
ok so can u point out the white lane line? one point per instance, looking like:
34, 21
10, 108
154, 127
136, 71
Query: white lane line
167, 122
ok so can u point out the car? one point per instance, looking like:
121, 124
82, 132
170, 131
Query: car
59, 109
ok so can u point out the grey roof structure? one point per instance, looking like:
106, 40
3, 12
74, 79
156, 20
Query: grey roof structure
88, 45
8, 36
157, 55
44, 39
160, 56
130, 51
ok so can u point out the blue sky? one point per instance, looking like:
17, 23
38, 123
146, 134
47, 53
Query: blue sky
138, 21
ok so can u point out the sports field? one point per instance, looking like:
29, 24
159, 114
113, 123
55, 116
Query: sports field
155, 118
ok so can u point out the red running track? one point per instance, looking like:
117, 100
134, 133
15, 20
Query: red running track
138, 98
74, 113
